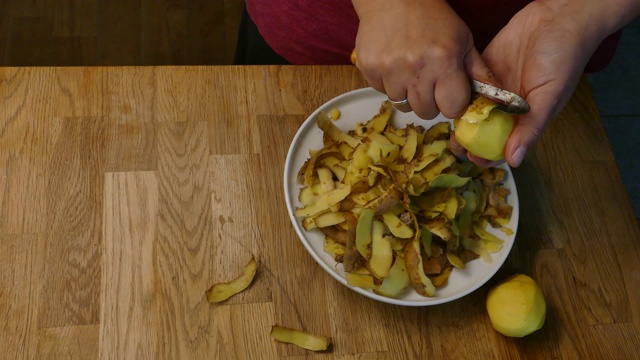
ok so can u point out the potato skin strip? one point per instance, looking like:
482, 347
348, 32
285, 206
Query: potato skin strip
351, 253
337, 135
413, 260
300, 338
222, 291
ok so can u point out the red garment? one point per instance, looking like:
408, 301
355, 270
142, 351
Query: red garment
326, 34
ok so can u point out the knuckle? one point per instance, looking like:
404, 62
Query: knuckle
441, 53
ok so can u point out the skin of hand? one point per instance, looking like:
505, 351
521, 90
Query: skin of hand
541, 54
419, 50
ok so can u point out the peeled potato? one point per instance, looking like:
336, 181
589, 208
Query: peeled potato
516, 306
483, 130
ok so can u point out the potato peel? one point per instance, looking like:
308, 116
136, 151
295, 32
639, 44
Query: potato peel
300, 338
429, 204
419, 280
222, 291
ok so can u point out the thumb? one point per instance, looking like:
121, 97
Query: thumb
477, 69
525, 134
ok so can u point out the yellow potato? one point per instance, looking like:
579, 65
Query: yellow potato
516, 306
484, 130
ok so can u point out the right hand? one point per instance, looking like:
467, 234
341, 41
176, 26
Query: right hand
419, 50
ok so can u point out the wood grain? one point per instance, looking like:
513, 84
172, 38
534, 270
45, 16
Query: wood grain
235, 213
75, 189
25, 148
130, 322
126, 192
21, 265
118, 32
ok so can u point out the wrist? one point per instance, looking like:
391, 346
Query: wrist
362, 7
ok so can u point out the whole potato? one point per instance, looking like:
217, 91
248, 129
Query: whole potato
516, 306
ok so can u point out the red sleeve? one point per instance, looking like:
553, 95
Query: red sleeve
308, 32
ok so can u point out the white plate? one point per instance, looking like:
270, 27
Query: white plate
360, 106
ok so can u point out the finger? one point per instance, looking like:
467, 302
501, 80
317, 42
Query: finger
483, 162
397, 93
378, 83
523, 137
396, 78
478, 69
457, 149
386, 79
420, 96
525, 134
405, 107
366, 63
373, 79
452, 94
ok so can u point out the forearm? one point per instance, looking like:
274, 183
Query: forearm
364, 7
597, 18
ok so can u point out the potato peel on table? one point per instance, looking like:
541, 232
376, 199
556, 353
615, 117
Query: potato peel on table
383, 195
222, 291
300, 338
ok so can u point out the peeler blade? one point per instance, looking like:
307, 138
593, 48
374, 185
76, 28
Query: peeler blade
507, 101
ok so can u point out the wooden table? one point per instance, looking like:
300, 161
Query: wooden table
126, 192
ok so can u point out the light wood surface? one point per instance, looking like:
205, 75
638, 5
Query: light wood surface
126, 192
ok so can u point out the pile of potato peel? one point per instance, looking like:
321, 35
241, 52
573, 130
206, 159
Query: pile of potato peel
398, 210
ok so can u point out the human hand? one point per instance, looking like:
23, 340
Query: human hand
419, 50
540, 54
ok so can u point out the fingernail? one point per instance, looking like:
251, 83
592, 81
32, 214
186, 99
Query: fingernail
518, 155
